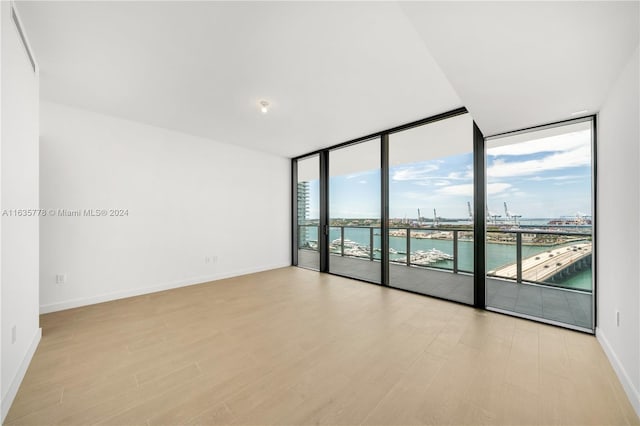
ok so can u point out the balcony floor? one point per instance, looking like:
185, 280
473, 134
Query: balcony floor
553, 304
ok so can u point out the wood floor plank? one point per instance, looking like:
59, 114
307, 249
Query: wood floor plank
292, 346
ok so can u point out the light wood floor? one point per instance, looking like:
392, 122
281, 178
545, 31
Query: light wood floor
292, 346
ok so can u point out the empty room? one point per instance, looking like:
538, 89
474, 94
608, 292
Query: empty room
337, 213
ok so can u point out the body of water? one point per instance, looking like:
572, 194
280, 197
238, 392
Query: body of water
496, 254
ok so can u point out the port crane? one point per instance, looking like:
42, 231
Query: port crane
435, 218
510, 215
419, 218
492, 217
470, 211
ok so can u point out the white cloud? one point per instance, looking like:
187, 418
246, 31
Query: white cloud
467, 189
360, 174
464, 189
362, 181
566, 182
415, 196
497, 188
580, 156
414, 173
567, 177
442, 183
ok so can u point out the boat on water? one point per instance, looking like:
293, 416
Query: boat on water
347, 243
418, 257
350, 248
426, 257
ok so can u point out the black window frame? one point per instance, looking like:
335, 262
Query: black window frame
479, 191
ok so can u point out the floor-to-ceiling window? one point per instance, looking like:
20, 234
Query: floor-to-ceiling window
430, 209
354, 211
539, 239
433, 207
308, 211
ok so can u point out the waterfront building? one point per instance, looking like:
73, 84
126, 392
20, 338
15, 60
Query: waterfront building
303, 209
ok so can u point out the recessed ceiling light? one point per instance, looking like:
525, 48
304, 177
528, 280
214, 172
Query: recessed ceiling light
264, 106
573, 114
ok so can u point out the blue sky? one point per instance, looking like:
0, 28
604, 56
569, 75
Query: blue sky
543, 178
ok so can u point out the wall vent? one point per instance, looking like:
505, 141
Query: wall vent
16, 21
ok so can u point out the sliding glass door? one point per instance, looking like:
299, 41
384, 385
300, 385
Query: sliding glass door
430, 209
539, 240
354, 211
433, 207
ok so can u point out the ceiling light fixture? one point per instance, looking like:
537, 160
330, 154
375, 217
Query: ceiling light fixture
583, 111
264, 106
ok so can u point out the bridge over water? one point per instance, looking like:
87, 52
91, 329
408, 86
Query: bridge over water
549, 265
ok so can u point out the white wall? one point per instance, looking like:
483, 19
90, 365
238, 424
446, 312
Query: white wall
19, 190
187, 198
618, 266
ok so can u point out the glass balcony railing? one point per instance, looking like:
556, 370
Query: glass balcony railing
355, 241
448, 249
308, 237
443, 248
552, 258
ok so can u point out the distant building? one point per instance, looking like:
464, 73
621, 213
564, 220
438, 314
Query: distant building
303, 211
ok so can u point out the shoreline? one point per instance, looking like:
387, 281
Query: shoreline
524, 243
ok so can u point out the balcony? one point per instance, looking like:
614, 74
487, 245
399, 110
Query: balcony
543, 274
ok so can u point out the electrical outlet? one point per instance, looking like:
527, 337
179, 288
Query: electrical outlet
61, 279
618, 318
214, 259
207, 259
14, 334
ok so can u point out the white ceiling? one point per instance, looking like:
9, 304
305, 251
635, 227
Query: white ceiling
333, 71
520, 64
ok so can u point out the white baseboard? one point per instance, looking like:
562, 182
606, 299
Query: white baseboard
627, 384
7, 399
107, 297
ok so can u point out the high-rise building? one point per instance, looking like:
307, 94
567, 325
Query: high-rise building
303, 210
